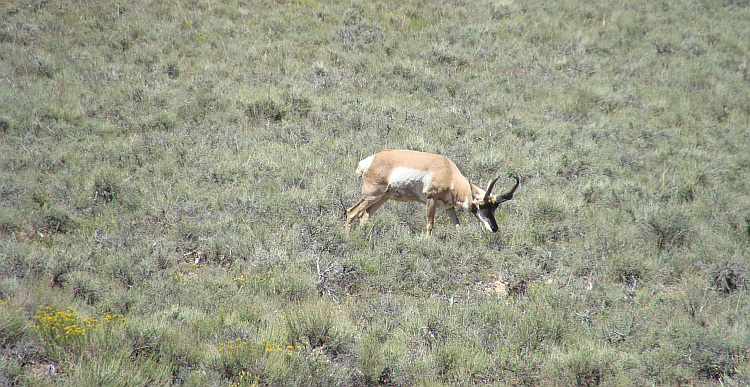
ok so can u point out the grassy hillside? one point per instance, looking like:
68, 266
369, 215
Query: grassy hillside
173, 176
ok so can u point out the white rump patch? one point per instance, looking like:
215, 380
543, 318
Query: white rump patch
364, 165
409, 184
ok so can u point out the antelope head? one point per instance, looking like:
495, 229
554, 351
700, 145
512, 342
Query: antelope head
485, 205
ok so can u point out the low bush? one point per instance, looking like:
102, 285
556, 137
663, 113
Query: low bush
187, 166
668, 230
731, 276
13, 325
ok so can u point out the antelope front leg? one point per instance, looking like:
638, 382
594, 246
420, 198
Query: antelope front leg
431, 208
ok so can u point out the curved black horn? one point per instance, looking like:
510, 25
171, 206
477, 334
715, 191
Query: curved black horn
509, 195
489, 189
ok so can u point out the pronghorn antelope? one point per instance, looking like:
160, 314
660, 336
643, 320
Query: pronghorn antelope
406, 175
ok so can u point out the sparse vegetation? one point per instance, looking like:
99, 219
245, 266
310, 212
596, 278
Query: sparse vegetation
173, 177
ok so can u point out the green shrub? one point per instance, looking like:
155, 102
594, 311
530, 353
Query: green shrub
584, 365
460, 362
13, 325
119, 368
86, 286
628, 271
69, 335
267, 358
731, 276
375, 360
266, 109
316, 368
188, 165
318, 324
106, 188
16, 259
670, 229
57, 220
715, 359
